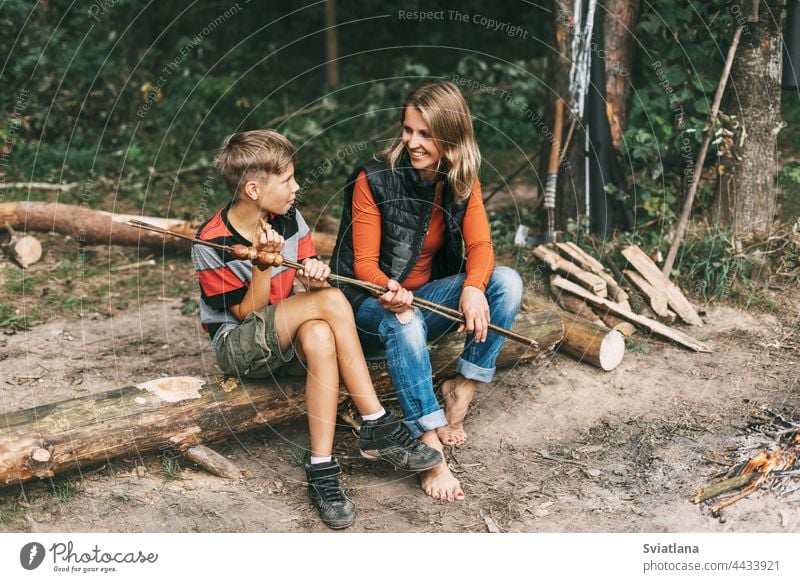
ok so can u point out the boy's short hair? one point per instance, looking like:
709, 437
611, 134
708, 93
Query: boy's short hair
243, 156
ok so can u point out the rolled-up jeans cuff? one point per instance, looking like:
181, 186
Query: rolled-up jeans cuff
423, 424
472, 372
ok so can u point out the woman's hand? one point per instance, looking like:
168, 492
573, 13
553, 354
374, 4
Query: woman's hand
314, 273
397, 299
475, 307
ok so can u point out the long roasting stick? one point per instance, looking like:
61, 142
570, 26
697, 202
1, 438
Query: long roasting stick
442, 310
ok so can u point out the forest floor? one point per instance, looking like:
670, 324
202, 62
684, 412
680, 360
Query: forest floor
554, 446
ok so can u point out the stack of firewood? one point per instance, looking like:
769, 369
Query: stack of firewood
639, 295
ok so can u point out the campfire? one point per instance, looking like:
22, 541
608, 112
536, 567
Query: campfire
772, 467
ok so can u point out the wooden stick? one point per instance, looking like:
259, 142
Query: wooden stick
442, 310
724, 486
701, 157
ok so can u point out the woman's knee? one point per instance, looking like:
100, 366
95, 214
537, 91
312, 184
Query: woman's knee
411, 333
507, 284
316, 337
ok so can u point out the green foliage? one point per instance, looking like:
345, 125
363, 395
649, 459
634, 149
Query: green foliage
681, 53
299, 456
100, 93
170, 466
708, 265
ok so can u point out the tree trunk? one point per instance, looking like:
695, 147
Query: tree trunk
750, 197
618, 23
619, 20
331, 45
570, 191
182, 413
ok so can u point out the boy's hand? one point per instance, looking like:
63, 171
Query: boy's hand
267, 239
314, 273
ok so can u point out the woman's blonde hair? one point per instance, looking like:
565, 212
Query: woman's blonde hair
444, 110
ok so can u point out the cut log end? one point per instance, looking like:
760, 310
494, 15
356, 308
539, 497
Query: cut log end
25, 251
612, 350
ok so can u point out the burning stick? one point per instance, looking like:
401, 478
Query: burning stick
276, 259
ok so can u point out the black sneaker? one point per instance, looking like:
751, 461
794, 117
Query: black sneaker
389, 439
326, 493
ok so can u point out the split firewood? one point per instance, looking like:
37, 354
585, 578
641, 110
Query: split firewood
636, 301
25, 250
89, 226
575, 253
588, 280
183, 413
675, 298
573, 304
655, 326
656, 298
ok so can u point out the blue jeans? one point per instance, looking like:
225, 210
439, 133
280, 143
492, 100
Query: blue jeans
406, 344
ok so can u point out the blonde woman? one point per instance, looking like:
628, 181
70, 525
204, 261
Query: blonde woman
413, 220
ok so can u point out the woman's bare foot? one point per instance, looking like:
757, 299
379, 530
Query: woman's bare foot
457, 394
439, 482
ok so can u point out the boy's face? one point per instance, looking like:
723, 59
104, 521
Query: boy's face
276, 192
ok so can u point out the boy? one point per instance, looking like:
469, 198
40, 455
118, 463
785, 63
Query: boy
256, 324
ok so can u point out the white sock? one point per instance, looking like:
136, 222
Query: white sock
318, 460
375, 415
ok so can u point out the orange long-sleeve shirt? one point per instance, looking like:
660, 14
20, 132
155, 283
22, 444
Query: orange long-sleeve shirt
367, 240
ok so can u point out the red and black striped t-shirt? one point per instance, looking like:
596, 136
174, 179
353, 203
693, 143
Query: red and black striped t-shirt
224, 279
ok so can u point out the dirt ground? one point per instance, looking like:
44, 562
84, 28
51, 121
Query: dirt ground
555, 446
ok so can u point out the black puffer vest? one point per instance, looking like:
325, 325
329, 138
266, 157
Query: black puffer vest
406, 204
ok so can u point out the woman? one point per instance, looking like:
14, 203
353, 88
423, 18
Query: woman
413, 220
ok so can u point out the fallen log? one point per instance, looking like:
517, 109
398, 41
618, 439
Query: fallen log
588, 341
659, 328
593, 343
90, 227
184, 413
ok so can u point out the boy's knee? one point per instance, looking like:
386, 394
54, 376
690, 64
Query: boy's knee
316, 337
335, 302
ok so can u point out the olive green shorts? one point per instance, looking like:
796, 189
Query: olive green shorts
252, 349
